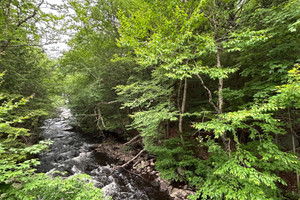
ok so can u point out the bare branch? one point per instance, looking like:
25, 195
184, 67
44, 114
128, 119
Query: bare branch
132, 140
209, 94
25, 45
99, 117
107, 103
30, 16
135, 157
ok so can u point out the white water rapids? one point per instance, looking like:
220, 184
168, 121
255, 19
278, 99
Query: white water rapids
74, 153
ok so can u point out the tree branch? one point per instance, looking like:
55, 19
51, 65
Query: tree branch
133, 139
135, 157
107, 103
30, 16
209, 94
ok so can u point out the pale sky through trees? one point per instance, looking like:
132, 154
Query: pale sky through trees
54, 48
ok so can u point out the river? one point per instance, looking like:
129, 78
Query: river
73, 153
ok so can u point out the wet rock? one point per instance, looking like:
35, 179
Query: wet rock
170, 189
153, 173
164, 185
179, 193
152, 163
189, 192
148, 169
74, 153
144, 174
138, 170
144, 164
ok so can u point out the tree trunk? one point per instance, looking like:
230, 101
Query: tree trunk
183, 105
225, 140
220, 86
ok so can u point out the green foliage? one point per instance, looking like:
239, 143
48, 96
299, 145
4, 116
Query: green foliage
176, 162
14, 151
77, 187
248, 173
17, 178
171, 40
28, 72
17, 20
265, 64
181, 42
251, 169
252, 45
90, 74
153, 99
150, 122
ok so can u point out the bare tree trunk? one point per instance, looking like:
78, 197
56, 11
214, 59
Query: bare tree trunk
225, 140
100, 116
220, 86
178, 96
183, 105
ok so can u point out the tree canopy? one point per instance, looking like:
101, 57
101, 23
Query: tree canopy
212, 86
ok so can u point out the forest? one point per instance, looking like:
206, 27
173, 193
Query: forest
210, 88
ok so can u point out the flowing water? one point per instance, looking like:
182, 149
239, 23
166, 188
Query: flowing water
74, 153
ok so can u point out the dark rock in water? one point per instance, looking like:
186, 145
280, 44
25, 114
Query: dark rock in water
74, 153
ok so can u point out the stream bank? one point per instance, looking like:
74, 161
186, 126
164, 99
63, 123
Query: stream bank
143, 166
